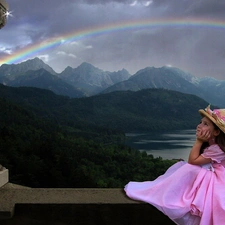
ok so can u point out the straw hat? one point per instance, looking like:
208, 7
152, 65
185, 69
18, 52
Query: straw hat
217, 116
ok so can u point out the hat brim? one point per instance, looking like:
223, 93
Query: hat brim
204, 113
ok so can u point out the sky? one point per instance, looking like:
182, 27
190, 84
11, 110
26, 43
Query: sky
117, 34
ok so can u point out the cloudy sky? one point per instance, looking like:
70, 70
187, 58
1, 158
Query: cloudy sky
117, 34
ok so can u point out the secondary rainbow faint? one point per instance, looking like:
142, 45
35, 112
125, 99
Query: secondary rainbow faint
35, 49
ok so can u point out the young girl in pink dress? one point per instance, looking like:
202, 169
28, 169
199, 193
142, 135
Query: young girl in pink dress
192, 193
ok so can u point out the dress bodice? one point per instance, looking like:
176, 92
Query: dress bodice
215, 153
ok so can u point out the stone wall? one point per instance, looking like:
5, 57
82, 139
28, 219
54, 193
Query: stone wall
29, 206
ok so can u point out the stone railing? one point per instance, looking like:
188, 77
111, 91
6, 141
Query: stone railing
39, 206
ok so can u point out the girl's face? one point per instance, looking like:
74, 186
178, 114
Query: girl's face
206, 125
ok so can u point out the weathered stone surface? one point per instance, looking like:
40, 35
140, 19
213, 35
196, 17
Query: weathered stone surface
37, 206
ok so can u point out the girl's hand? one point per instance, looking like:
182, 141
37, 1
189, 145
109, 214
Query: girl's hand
203, 135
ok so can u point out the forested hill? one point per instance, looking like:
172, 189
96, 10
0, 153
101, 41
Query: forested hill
54, 141
125, 111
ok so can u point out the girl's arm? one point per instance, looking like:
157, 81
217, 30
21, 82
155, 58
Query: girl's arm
194, 157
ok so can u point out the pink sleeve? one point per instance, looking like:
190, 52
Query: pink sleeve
215, 153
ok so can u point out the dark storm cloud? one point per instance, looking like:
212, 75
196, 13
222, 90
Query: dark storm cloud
207, 8
199, 50
106, 1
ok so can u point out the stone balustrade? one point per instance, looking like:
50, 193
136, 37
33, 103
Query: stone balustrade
21, 205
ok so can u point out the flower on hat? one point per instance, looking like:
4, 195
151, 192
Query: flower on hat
217, 114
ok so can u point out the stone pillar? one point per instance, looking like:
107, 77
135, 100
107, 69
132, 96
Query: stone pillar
4, 175
3, 13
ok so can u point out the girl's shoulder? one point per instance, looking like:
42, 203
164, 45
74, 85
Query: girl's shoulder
215, 153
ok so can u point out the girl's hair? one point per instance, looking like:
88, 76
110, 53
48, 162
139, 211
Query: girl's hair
204, 145
220, 140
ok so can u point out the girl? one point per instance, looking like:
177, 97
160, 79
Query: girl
192, 193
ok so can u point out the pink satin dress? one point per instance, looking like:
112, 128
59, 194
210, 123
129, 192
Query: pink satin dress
188, 194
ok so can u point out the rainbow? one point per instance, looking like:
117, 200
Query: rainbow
35, 49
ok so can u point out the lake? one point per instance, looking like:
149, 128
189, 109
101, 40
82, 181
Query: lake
169, 145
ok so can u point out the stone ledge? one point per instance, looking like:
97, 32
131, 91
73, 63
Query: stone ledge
66, 206
10, 195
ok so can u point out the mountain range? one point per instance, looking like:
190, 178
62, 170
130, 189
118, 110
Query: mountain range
87, 80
